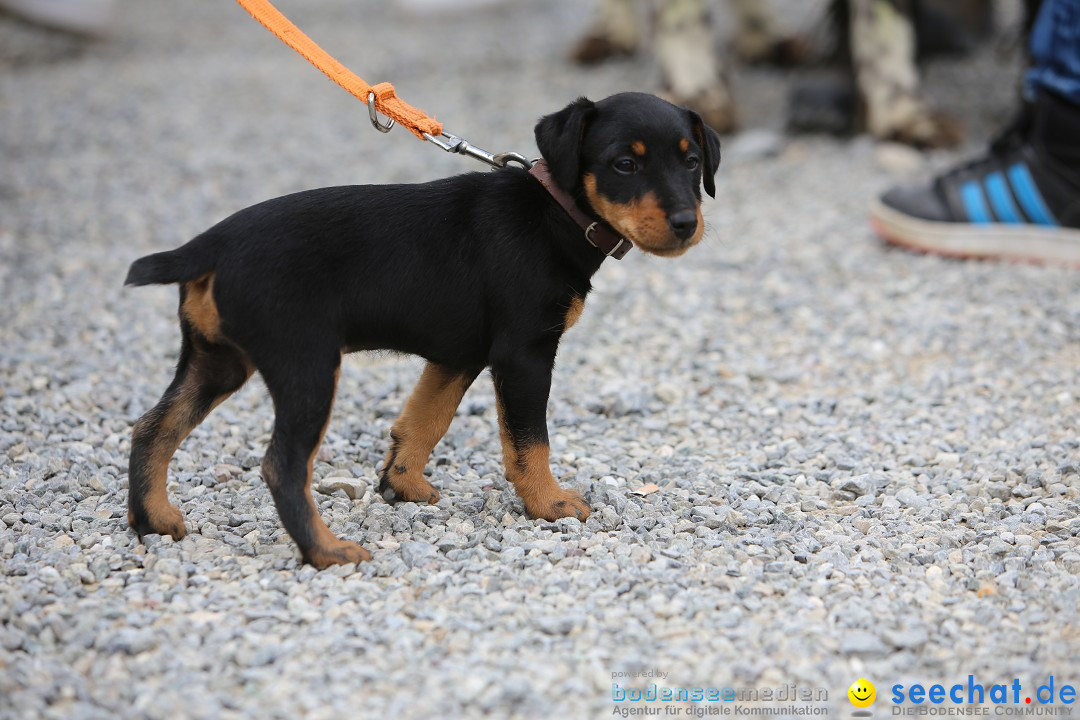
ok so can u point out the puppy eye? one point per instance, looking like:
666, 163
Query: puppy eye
625, 165
692, 163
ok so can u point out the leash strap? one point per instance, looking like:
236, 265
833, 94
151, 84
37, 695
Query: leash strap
387, 101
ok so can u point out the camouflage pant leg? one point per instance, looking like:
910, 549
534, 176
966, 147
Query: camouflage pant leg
616, 30
755, 35
883, 51
692, 72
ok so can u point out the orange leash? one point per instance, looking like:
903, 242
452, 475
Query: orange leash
385, 99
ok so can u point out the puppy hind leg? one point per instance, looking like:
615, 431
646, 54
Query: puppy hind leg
303, 400
206, 375
425, 419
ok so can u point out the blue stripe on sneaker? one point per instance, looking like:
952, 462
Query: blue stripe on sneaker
975, 203
1001, 200
1028, 195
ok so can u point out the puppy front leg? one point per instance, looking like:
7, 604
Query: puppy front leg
423, 422
522, 384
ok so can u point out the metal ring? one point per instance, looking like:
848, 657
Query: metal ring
589, 233
373, 115
504, 159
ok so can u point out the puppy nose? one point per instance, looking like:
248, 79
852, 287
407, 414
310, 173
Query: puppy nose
683, 223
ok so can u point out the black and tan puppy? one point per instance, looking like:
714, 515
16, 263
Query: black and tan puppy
479, 270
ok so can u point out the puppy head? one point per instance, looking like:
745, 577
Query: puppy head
638, 162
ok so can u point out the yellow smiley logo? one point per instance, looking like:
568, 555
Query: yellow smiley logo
862, 693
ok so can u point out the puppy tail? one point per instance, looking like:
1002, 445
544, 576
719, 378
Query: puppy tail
187, 262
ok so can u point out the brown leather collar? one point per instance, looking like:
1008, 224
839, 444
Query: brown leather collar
599, 234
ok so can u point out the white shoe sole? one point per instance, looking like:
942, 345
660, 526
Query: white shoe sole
1025, 243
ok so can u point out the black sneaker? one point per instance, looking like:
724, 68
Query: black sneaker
1021, 201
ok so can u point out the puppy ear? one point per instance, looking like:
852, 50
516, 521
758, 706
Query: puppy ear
558, 136
710, 148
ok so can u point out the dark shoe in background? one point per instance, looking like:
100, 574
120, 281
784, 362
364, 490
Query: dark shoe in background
1019, 201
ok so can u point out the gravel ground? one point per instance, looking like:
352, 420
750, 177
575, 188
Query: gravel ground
867, 460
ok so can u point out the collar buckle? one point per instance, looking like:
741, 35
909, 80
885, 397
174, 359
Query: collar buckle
589, 234
617, 250
597, 233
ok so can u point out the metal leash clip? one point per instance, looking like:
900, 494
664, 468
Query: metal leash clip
454, 144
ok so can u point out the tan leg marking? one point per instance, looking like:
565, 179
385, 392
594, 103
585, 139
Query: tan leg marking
425, 419
200, 309
529, 471
328, 549
181, 418
163, 517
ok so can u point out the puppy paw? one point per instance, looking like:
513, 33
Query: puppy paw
164, 519
560, 504
397, 487
339, 552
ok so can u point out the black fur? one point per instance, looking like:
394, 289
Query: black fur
559, 136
